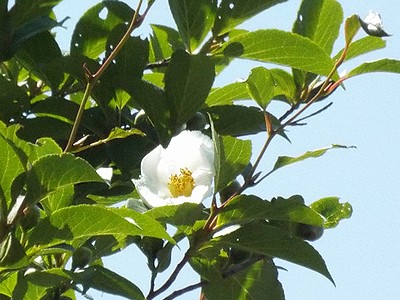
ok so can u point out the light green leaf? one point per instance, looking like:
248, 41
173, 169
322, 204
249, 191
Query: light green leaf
273, 242
227, 94
332, 210
194, 19
93, 29
261, 86
163, 42
351, 27
188, 81
244, 208
283, 161
8, 283
319, 21
52, 172
84, 221
258, 281
382, 65
233, 157
271, 45
362, 46
234, 12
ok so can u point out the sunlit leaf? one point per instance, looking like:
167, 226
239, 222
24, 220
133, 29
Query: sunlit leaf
261, 86
332, 210
351, 27
164, 41
382, 65
227, 94
271, 45
362, 46
244, 208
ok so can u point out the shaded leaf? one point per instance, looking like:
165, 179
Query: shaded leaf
332, 210
244, 208
233, 155
273, 242
188, 81
231, 13
194, 19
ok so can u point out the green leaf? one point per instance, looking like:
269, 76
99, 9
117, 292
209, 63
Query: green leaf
49, 278
194, 19
231, 13
271, 45
382, 65
188, 81
107, 281
273, 242
93, 30
244, 208
283, 161
12, 254
351, 27
8, 283
164, 41
319, 21
13, 100
362, 46
52, 172
332, 210
260, 85
259, 281
84, 221
233, 155
227, 94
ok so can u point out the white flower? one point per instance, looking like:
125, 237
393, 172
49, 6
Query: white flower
183, 172
372, 25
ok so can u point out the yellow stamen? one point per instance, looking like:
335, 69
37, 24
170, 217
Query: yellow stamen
182, 184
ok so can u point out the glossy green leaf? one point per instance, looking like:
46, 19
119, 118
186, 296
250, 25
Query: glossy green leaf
258, 281
244, 208
320, 21
332, 210
52, 172
382, 65
231, 13
107, 281
233, 157
261, 85
164, 41
188, 81
84, 221
227, 94
271, 45
94, 27
194, 19
8, 283
283, 161
273, 242
362, 46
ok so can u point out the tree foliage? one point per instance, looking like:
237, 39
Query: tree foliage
113, 97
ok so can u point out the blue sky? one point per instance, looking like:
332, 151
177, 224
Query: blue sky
363, 253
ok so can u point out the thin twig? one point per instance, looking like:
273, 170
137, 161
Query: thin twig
185, 290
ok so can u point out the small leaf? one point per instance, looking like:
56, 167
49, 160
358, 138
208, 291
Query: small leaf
261, 86
271, 46
188, 81
273, 242
107, 281
234, 12
244, 208
233, 157
362, 46
283, 161
332, 210
382, 65
351, 27
194, 19
227, 94
164, 41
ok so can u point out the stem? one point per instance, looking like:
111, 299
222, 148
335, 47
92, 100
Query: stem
187, 289
171, 279
93, 78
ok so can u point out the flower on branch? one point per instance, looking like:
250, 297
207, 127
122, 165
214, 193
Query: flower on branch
182, 172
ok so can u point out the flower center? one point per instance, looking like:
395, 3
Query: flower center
182, 184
